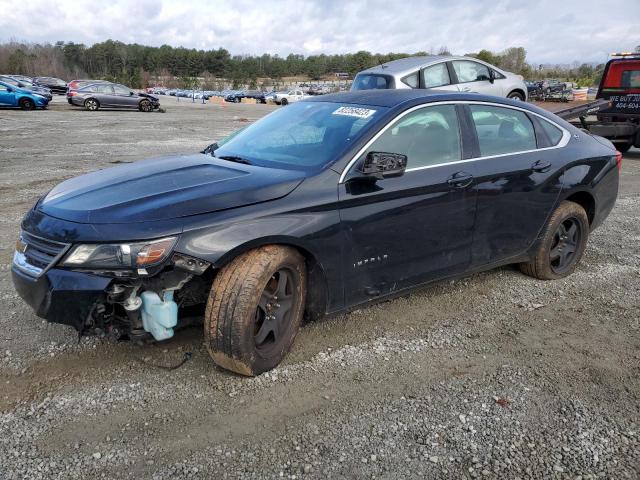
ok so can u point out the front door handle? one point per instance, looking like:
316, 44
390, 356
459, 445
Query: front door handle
541, 166
465, 89
460, 180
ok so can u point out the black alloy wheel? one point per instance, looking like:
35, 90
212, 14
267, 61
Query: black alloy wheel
274, 311
561, 243
565, 244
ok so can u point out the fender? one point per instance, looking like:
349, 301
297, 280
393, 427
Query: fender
316, 234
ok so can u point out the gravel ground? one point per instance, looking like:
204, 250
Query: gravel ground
493, 376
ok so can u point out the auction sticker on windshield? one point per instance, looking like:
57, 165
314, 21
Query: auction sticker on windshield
354, 112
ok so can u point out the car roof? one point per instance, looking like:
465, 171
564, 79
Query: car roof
392, 98
407, 65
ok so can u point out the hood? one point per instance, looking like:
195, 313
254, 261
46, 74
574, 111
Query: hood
148, 95
165, 188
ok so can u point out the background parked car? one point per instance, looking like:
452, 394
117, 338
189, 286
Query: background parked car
75, 85
10, 79
289, 97
12, 96
238, 96
112, 95
56, 85
464, 74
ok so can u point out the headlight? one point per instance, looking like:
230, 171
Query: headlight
120, 255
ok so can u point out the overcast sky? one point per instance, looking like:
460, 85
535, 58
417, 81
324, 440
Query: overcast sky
552, 31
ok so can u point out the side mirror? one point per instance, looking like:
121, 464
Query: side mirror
132, 93
210, 149
381, 165
492, 76
9, 89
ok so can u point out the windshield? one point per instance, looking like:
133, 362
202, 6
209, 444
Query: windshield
303, 136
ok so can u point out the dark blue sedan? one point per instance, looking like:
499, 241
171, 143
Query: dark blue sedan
331, 203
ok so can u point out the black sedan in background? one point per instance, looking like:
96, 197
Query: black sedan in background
56, 85
111, 95
238, 96
328, 204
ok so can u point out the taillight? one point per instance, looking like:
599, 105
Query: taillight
619, 160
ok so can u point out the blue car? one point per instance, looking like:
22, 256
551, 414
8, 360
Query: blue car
12, 96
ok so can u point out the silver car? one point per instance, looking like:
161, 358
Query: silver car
111, 95
464, 74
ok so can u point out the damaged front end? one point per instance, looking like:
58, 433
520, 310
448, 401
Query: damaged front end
140, 290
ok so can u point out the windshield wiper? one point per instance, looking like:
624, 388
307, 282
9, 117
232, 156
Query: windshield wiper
234, 158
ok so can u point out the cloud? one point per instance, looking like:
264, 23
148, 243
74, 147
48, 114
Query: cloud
551, 32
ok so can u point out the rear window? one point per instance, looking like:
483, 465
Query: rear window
623, 75
372, 82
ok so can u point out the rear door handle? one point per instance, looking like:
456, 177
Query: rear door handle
460, 180
541, 166
465, 89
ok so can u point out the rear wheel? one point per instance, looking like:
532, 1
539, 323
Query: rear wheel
26, 104
564, 240
516, 96
145, 106
284, 101
91, 104
255, 308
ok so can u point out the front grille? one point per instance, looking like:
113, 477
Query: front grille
41, 252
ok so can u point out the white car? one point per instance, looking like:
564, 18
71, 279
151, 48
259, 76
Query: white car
458, 74
289, 97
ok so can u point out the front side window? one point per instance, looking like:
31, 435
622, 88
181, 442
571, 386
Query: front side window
428, 136
468, 71
436, 76
502, 130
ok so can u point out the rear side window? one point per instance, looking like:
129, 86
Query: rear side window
436, 76
551, 135
372, 82
428, 136
411, 80
630, 79
502, 130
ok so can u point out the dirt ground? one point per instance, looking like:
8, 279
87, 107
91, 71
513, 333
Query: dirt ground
493, 376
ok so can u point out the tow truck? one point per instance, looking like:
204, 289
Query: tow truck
615, 114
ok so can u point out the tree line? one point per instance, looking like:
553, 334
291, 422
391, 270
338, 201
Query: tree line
139, 66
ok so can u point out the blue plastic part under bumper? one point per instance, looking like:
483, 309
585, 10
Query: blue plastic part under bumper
61, 296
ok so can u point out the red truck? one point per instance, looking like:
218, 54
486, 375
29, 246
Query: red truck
615, 114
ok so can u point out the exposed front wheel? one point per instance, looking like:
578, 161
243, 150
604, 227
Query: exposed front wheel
91, 104
145, 106
284, 101
562, 244
255, 308
27, 104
